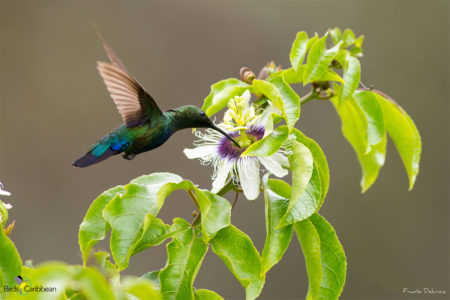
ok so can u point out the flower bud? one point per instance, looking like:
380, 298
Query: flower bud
268, 69
246, 75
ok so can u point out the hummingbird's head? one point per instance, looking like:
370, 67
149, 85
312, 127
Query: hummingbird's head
191, 116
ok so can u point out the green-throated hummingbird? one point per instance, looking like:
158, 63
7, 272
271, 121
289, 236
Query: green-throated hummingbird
145, 126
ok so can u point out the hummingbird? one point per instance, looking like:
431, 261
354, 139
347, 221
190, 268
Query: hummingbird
145, 126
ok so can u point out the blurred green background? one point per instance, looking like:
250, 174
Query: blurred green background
53, 105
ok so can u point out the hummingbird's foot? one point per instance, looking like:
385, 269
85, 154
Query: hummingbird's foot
129, 156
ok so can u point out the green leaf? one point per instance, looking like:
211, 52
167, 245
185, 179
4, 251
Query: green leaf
404, 134
341, 57
10, 262
355, 129
302, 165
184, 257
221, 92
276, 118
94, 227
179, 225
2, 281
153, 276
299, 48
157, 187
3, 214
206, 295
290, 99
348, 37
371, 163
155, 234
141, 288
291, 76
334, 263
92, 283
320, 165
359, 41
310, 242
356, 52
269, 121
107, 267
73, 295
158, 232
215, 213
312, 195
330, 75
357, 49
130, 214
277, 73
319, 58
352, 75
276, 194
282, 96
354, 123
336, 35
269, 144
376, 130
236, 250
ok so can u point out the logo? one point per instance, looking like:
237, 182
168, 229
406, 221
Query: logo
24, 286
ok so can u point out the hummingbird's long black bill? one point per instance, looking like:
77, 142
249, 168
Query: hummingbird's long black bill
213, 126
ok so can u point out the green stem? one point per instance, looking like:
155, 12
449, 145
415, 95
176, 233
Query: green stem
197, 217
196, 220
311, 96
235, 200
227, 187
308, 97
193, 197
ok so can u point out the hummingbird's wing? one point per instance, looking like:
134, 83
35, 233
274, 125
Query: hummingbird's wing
113, 57
133, 102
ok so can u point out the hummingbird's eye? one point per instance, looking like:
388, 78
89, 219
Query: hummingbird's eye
202, 114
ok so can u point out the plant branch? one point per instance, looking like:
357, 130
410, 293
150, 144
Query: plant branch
196, 220
235, 200
365, 88
308, 97
193, 197
314, 95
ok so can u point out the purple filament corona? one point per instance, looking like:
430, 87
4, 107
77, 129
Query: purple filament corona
229, 150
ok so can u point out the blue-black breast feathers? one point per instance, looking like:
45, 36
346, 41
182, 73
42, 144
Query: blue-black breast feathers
134, 104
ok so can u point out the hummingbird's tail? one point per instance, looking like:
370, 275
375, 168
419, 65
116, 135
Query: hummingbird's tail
90, 158
111, 144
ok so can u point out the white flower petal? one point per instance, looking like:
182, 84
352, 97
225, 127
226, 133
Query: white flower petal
8, 206
4, 193
200, 151
264, 116
273, 166
248, 169
265, 120
281, 159
222, 173
246, 95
